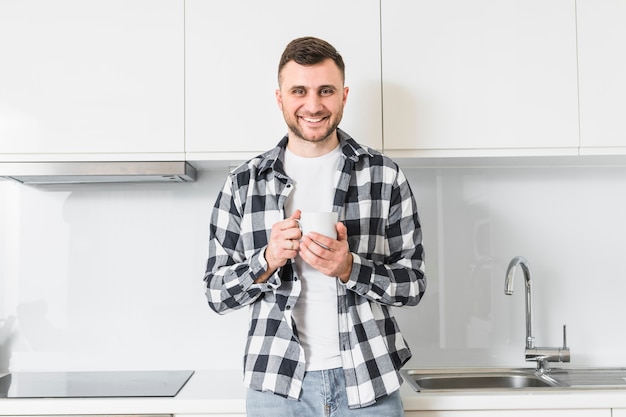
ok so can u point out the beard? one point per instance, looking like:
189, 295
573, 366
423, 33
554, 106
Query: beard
317, 136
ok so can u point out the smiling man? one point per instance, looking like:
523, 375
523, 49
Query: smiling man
322, 339
312, 112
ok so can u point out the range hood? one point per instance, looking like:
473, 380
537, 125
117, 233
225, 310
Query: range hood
47, 173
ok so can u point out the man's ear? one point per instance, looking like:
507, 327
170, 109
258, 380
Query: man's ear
279, 99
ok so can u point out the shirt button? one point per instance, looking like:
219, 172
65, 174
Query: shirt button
288, 307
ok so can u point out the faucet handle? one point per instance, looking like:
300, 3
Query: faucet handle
564, 353
543, 355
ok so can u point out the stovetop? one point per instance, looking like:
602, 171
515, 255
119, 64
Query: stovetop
94, 384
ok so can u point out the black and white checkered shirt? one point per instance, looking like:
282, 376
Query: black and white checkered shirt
376, 204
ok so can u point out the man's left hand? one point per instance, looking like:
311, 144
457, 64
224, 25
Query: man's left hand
330, 256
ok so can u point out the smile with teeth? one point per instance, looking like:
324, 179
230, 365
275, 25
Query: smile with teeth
312, 119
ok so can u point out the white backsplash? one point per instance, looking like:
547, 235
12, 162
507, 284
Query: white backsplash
110, 276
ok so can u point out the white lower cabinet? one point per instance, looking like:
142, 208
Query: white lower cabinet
619, 412
515, 413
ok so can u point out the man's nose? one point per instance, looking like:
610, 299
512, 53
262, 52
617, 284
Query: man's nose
313, 103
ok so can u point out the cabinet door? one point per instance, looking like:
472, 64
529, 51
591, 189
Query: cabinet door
232, 54
98, 79
602, 65
512, 413
479, 77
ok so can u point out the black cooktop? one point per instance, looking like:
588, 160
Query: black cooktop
93, 384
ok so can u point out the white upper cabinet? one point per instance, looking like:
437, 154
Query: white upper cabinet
484, 77
91, 80
602, 66
196, 79
232, 54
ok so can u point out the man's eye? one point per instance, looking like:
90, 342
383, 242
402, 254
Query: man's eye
298, 91
326, 91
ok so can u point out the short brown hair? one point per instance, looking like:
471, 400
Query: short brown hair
310, 51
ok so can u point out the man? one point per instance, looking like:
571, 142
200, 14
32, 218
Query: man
322, 340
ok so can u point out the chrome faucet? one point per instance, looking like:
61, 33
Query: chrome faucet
542, 355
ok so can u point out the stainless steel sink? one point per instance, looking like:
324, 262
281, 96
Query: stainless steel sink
476, 379
591, 378
514, 379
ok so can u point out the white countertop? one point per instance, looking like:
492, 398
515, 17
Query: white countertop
210, 392
205, 392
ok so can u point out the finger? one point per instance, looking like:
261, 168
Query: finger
280, 247
315, 248
326, 242
293, 245
307, 252
296, 215
342, 231
291, 224
293, 233
285, 229
330, 263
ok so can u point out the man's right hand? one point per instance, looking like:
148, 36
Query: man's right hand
283, 245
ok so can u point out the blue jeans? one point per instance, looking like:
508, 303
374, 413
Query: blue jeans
323, 395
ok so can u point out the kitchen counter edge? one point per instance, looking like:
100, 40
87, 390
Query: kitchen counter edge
222, 392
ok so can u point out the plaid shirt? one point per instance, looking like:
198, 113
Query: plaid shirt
376, 204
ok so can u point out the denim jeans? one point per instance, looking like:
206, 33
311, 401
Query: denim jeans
323, 395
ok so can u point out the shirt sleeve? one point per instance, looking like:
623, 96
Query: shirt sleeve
230, 274
399, 279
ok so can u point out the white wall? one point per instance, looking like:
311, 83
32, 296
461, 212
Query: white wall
568, 222
110, 276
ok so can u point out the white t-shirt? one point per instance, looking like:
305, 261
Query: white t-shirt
315, 313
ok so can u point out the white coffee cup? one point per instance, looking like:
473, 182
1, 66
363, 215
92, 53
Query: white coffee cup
322, 222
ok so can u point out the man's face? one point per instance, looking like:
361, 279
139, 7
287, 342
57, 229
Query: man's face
312, 99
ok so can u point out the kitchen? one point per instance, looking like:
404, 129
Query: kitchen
109, 276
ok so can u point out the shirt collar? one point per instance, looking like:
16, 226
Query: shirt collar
349, 148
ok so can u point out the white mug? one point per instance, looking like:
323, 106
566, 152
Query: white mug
322, 222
